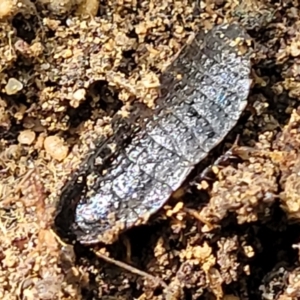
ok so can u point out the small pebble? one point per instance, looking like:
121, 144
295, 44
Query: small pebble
79, 94
295, 49
13, 86
13, 152
6, 8
67, 53
55, 147
26, 137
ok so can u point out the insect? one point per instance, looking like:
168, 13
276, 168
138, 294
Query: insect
202, 95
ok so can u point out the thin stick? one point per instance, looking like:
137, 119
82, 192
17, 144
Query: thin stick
120, 264
130, 269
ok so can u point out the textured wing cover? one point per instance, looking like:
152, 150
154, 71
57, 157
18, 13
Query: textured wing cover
203, 93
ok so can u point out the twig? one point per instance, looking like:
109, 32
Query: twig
130, 269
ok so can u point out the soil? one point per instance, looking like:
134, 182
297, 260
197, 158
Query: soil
65, 67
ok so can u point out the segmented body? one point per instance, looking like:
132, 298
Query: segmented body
203, 93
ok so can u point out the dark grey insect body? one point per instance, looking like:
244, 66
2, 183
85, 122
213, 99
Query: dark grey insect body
203, 93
